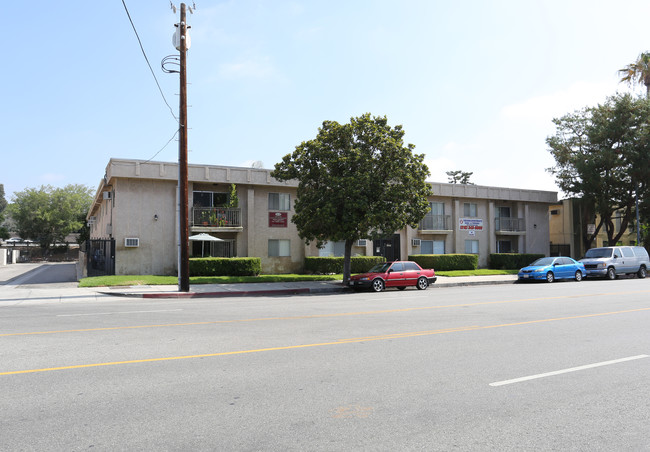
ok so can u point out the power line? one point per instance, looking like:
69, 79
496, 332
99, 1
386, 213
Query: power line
148, 64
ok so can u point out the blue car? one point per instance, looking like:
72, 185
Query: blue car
551, 268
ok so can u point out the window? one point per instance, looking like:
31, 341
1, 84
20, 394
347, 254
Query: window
210, 199
469, 209
437, 208
627, 252
333, 249
411, 266
471, 246
279, 248
504, 246
398, 267
432, 247
279, 201
503, 212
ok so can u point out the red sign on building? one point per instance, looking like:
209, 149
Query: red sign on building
278, 219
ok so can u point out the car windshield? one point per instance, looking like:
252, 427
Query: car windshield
599, 252
544, 261
380, 268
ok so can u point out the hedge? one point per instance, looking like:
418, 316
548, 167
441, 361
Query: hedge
225, 266
512, 261
446, 262
329, 265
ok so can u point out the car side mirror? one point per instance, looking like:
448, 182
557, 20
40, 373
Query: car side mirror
616, 256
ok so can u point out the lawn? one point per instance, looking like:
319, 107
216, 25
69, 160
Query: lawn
151, 280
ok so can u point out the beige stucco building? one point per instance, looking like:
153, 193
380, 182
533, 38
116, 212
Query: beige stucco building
571, 221
134, 220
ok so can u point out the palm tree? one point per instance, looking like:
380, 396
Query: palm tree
638, 72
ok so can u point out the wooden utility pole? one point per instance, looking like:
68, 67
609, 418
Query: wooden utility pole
184, 261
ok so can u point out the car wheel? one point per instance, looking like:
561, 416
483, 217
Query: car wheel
611, 273
423, 283
378, 285
642, 273
550, 277
578, 276
401, 287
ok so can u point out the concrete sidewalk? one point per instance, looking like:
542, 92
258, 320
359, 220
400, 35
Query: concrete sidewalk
14, 274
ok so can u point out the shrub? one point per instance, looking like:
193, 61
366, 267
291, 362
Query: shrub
446, 262
328, 265
225, 266
511, 261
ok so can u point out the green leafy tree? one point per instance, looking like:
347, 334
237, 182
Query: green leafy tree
601, 156
355, 181
49, 214
4, 232
638, 73
459, 177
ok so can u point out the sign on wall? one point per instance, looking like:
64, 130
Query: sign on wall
471, 224
278, 219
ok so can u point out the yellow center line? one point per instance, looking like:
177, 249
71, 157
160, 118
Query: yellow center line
322, 344
320, 316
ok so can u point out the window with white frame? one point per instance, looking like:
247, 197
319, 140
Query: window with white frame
279, 248
332, 249
470, 209
471, 246
279, 201
432, 247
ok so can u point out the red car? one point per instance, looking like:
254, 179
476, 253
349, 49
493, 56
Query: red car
400, 274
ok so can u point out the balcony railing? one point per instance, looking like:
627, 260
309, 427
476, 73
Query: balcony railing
435, 223
509, 224
216, 217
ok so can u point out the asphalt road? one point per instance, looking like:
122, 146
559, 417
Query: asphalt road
561, 366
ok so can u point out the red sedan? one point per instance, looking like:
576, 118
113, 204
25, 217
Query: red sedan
400, 274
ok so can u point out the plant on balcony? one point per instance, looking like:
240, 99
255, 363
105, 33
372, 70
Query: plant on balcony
218, 218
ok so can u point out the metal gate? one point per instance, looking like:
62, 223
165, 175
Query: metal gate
100, 257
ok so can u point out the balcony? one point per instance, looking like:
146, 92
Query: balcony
435, 223
216, 218
512, 226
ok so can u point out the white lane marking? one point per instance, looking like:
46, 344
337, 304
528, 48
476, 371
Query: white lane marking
564, 371
119, 312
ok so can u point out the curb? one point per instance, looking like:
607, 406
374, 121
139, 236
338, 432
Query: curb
279, 292
243, 293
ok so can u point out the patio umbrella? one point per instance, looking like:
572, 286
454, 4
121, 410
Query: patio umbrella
203, 237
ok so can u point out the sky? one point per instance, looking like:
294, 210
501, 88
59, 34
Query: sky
474, 84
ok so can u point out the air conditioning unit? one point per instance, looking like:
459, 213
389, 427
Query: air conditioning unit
131, 242
92, 220
416, 242
108, 195
361, 242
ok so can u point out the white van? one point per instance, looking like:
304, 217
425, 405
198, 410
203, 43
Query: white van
611, 261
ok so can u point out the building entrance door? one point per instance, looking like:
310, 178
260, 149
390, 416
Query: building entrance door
388, 247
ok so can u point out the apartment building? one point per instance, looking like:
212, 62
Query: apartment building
134, 220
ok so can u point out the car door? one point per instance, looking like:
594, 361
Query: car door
629, 260
559, 268
619, 261
395, 275
411, 273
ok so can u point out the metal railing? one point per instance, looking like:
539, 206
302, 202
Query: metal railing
216, 217
504, 224
435, 223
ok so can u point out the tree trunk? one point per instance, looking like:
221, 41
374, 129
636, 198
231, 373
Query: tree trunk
346, 261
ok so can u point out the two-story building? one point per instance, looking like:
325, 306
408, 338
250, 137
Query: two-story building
134, 220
